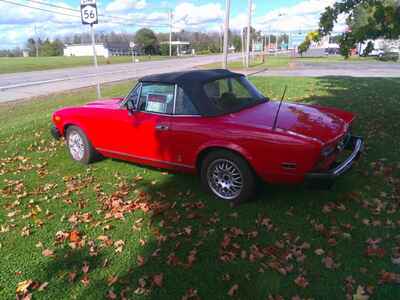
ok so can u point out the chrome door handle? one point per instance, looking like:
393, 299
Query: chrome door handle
162, 127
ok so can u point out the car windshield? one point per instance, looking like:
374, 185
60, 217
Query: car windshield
233, 94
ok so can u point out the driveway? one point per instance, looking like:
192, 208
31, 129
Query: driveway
39, 83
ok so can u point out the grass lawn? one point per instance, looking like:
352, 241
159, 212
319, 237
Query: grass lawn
284, 62
24, 64
122, 231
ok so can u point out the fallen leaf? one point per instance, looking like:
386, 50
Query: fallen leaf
85, 267
43, 286
23, 286
301, 281
141, 261
233, 290
74, 236
360, 294
111, 295
112, 279
71, 276
158, 279
47, 253
85, 280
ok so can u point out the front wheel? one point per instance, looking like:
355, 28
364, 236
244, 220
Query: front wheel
228, 176
79, 146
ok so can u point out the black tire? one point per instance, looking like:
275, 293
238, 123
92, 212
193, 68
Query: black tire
247, 175
89, 153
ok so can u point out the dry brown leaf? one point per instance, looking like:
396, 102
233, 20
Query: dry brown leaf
47, 253
233, 290
301, 281
158, 279
23, 286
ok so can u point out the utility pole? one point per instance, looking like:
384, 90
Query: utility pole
242, 44
95, 61
248, 34
170, 31
226, 34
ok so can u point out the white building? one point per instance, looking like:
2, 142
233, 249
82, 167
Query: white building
85, 50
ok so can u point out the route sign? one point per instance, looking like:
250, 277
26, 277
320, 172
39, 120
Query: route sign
89, 12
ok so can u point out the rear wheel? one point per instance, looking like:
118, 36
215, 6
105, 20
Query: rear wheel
228, 176
79, 146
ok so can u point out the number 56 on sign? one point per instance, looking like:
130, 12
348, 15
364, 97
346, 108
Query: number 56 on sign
89, 12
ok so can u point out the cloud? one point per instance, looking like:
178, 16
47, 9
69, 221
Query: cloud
125, 5
196, 16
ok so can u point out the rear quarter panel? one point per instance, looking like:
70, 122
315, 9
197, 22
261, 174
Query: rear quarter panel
263, 148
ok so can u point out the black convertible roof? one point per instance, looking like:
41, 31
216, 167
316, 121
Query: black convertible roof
192, 83
189, 77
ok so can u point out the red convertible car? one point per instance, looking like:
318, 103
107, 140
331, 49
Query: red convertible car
214, 123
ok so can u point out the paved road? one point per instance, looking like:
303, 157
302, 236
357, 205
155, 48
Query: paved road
354, 69
39, 83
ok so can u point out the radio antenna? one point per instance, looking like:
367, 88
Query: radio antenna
279, 108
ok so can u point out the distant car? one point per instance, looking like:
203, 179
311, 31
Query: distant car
215, 123
376, 52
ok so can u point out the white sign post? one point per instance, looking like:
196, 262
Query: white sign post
89, 17
132, 46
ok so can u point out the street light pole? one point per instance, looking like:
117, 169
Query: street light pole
170, 32
226, 33
248, 34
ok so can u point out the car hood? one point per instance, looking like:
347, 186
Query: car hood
105, 102
322, 123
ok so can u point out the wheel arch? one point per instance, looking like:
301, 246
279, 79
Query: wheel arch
66, 125
202, 154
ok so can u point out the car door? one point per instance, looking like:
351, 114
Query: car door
152, 123
139, 130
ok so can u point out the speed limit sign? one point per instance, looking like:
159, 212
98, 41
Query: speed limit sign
89, 12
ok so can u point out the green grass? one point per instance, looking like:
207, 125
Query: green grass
25, 64
43, 192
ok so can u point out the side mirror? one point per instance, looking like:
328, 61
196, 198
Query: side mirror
130, 107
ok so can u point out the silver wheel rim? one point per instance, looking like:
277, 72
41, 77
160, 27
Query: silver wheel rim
225, 179
76, 146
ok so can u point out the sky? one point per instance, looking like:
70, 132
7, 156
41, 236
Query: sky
18, 23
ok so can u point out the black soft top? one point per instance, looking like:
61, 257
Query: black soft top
192, 83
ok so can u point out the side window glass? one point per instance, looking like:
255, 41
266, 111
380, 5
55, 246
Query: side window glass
184, 105
133, 97
157, 98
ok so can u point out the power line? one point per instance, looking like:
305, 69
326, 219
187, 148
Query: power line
38, 8
100, 15
78, 16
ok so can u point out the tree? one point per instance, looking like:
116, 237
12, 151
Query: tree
367, 19
237, 42
312, 36
30, 46
147, 40
48, 48
164, 49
